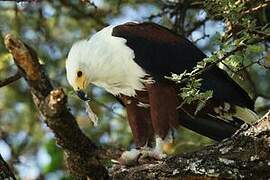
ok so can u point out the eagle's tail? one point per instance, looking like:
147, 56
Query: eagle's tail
216, 127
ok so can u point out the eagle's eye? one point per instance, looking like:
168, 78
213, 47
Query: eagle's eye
79, 73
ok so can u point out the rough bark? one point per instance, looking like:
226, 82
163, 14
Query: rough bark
245, 155
84, 159
5, 171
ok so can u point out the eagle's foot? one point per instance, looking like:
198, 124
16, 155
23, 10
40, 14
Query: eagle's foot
130, 158
133, 156
152, 153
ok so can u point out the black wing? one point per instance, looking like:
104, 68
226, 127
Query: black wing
159, 51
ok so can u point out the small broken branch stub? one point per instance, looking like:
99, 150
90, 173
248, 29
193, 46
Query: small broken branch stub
55, 101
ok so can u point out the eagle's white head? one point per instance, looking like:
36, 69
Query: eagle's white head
105, 61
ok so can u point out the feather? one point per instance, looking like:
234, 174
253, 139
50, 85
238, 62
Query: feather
92, 116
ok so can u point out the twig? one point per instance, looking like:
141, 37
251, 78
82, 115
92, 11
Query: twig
197, 4
201, 38
83, 13
212, 65
257, 8
91, 3
247, 66
196, 25
10, 79
21, 0
243, 67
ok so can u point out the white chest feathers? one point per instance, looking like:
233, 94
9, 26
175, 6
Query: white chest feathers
110, 64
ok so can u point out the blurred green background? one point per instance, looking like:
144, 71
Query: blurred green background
50, 27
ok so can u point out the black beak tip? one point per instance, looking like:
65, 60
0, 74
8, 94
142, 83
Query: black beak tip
82, 95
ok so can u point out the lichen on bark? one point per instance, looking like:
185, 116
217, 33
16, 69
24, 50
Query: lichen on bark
245, 155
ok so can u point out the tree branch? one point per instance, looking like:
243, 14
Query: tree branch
84, 159
10, 79
258, 8
14, 0
93, 15
5, 171
244, 156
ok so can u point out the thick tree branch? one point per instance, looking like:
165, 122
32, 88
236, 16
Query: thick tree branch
244, 156
83, 157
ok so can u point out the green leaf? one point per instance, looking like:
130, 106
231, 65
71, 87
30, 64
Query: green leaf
256, 48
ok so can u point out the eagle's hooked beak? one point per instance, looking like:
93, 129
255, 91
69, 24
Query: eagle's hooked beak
82, 95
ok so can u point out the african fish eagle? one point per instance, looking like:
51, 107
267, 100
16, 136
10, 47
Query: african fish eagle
131, 61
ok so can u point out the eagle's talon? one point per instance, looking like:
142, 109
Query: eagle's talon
133, 156
153, 153
130, 158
